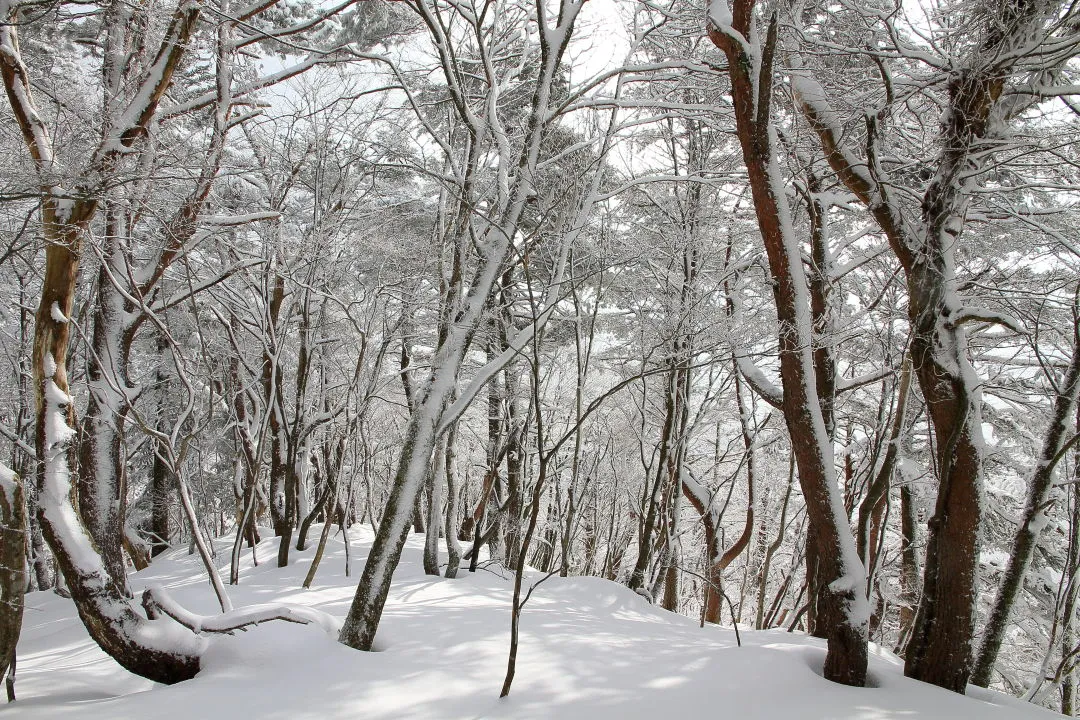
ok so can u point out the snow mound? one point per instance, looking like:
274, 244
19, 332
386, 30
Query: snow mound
591, 650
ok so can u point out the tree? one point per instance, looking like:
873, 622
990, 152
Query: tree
495, 233
86, 543
925, 241
842, 604
13, 571
1067, 389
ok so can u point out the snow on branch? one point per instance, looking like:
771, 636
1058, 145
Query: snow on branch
764, 387
844, 385
722, 21
9, 483
136, 116
234, 220
158, 602
964, 315
13, 437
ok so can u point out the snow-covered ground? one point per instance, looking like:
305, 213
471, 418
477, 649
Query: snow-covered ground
590, 649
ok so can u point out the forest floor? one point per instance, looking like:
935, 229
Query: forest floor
590, 649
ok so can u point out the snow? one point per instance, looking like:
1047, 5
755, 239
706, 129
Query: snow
720, 14
591, 649
8, 483
56, 313
57, 429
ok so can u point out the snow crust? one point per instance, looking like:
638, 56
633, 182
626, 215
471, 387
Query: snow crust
591, 650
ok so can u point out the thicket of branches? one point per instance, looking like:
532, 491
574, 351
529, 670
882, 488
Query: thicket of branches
769, 311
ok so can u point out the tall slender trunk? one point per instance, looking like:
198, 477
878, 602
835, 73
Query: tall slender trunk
841, 574
453, 548
362, 621
101, 471
771, 550
1036, 504
516, 429
405, 364
878, 491
436, 518
1068, 622
274, 403
161, 481
13, 570
655, 490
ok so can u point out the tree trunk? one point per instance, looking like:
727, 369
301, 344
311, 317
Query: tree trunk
1068, 623
878, 491
436, 518
842, 576
909, 568
654, 492
515, 463
101, 471
1027, 536
453, 549
362, 621
275, 405
13, 571
154, 649
770, 551
940, 651
161, 482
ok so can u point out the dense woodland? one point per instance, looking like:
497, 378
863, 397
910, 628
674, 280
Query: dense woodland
768, 310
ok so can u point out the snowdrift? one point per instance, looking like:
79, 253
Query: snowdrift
591, 650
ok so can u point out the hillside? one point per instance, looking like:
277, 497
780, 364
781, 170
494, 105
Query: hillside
591, 649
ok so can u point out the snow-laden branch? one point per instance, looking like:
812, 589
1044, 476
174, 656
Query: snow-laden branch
844, 385
964, 315
158, 602
765, 388
18, 441
136, 116
235, 220
488, 371
857, 175
699, 496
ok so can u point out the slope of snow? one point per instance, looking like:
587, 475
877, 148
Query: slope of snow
591, 650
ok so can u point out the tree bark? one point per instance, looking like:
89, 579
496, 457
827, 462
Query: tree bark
453, 548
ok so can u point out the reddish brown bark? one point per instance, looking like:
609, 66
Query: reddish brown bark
751, 97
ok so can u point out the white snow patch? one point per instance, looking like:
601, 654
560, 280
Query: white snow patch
8, 484
720, 14
56, 313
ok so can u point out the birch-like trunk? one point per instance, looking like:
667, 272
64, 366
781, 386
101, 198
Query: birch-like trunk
101, 471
